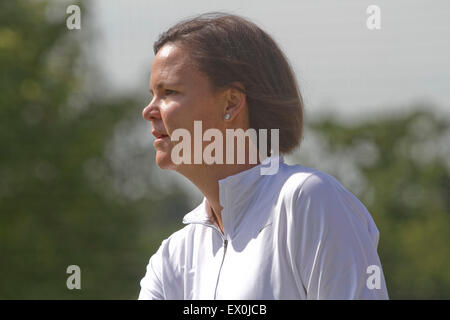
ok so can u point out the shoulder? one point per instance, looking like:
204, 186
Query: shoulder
305, 182
313, 198
308, 192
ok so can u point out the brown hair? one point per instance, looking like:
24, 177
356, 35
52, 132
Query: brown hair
228, 48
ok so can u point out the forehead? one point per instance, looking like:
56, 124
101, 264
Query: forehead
171, 64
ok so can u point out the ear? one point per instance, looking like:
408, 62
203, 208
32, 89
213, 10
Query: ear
235, 101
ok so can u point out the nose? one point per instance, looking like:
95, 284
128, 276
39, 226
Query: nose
151, 111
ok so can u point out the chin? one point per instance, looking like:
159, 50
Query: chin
163, 161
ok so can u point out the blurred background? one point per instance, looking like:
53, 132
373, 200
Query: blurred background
78, 182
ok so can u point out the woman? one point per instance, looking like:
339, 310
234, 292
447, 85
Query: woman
292, 233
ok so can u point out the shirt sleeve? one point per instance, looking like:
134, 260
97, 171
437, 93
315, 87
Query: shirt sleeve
334, 244
151, 284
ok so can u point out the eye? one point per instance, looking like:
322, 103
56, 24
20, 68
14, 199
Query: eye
168, 92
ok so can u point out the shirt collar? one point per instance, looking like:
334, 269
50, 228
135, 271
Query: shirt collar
237, 195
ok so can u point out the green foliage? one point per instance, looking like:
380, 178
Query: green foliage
53, 135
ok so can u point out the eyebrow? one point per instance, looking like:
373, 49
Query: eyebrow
162, 84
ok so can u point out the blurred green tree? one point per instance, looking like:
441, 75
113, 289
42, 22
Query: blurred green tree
62, 198
398, 165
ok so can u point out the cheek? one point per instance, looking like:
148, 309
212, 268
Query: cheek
212, 117
173, 116
209, 111
183, 112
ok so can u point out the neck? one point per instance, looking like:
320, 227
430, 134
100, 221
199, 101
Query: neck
206, 177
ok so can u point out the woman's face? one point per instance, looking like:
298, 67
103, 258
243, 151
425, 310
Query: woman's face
181, 95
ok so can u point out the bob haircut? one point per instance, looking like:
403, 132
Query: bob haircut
228, 48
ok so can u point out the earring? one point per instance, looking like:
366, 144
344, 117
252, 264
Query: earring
227, 116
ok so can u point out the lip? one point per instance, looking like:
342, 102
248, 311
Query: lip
159, 135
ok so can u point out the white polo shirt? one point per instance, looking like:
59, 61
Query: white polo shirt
297, 234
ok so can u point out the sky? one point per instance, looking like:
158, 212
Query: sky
342, 67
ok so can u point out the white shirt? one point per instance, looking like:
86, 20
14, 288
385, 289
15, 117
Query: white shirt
297, 234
